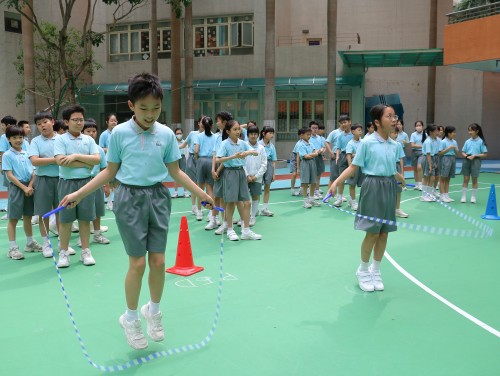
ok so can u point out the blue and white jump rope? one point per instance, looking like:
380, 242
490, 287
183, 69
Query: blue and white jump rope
158, 354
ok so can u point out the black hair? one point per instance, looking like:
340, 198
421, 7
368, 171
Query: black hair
476, 127
448, 130
89, 123
344, 117
355, 126
252, 129
111, 114
14, 130
401, 121
368, 125
265, 130
178, 129
40, 115
21, 123
313, 122
303, 130
144, 84
227, 128
251, 122
70, 110
376, 113
321, 126
9, 120
224, 115
59, 124
207, 125
421, 122
430, 128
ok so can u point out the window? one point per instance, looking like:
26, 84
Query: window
131, 42
314, 41
12, 22
243, 106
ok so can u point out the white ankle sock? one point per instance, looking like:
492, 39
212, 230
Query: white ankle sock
12, 244
363, 267
376, 265
131, 315
154, 308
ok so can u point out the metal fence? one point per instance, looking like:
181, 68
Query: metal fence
474, 13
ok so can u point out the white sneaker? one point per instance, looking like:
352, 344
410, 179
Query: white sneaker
103, 228
4, 217
47, 250
63, 261
101, 239
317, 195
133, 333
307, 204
217, 221
353, 204
449, 198
194, 211
365, 281
199, 215
231, 235
187, 195
33, 246
252, 222
71, 251
463, 200
79, 243
14, 253
378, 285
401, 214
338, 202
320, 191
53, 228
250, 235
211, 225
427, 198
315, 203
266, 212
296, 193
74, 228
343, 199
87, 258
175, 195
154, 326
445, 198
109, 205
221, 230
473, 199
34, 220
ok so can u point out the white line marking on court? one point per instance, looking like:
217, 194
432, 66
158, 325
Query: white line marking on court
460, 311
418, 197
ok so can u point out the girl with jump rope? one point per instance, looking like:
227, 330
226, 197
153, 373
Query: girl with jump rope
474, 149
376, 155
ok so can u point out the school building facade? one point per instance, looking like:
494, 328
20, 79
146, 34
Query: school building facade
388, 50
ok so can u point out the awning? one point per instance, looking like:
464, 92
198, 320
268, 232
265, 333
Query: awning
393, 58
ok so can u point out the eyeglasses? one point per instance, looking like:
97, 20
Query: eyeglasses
78, 120
393, 117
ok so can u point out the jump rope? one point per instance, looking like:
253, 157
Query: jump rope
157, 354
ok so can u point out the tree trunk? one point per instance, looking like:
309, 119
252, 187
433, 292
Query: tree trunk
431, 71
332, 64
175, 61
153, 47
188, 69
270, 70
29, 66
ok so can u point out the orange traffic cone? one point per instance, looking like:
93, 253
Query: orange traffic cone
184, 262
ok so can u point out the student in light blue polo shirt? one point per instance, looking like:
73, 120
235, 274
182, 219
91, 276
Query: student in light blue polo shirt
416, 153
266, 135
76, 154
232, 153
143, 203
19, 172
111, 122
318, 142
357, 179
331, 145
430, 164
41, 154
307, 154
376, 156
341, 158
473, 151
448, 150
191, 161
4, 146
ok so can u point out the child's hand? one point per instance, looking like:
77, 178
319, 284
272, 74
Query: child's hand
215, 176
71, 200
470, 157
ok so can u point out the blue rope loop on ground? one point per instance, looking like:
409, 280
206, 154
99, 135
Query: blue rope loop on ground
483, 231
158, 354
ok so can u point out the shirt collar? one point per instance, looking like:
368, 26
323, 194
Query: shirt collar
17, 152
379, 138
49, 138
71, 137
139, 130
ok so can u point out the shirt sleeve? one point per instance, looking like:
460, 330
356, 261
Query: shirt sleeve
6, 162
172, 154
33, 149
92, 147
59, 147
114, 149
359, 158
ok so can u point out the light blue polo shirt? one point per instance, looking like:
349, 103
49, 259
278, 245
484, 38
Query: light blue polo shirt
352, 147
400, 153
190, 139
431, 146
218, 141
304, 148
228, 148
102, 165
446, 143
296, 147
142, 155
332, 138
474, 146
67, 144
416, 138
19, 163
402, 137
5, 145
270, 151
207, 145
376, 156
317, 141
342, 141
104, 139
43, 147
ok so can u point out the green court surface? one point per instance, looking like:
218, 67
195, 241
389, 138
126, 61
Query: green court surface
290, 302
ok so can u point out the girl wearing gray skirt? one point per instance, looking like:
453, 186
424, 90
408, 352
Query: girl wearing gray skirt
448, 151
473, 151
376, 156
266, 135
416, 153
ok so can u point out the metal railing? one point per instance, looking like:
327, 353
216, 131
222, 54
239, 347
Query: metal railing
474, 13
293, 40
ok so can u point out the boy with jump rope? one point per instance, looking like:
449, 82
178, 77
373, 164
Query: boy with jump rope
142, 196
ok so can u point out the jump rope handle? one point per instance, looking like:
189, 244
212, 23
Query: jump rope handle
56, 210
327, 197
215, 207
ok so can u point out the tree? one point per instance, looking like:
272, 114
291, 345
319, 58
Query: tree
72, 69
332, 63
270, 65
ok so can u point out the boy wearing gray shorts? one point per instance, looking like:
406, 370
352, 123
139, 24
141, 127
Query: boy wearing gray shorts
142, 207
307, 153
76, 154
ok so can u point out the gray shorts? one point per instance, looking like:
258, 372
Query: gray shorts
448, 166
398, 169
342, 163
471, 168
307, 171
182, 163
100, 210
191, 167
142, 216
293, 162
255, 188
85, 210
320, 165
5, 181
235, 184
334, 170
46, 197
357, 179
218, 186
435, 168
415, 155
19, 204
377, 199
268, 175
204, 171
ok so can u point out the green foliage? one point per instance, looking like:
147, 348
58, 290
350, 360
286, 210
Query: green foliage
178, 6
467, 4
